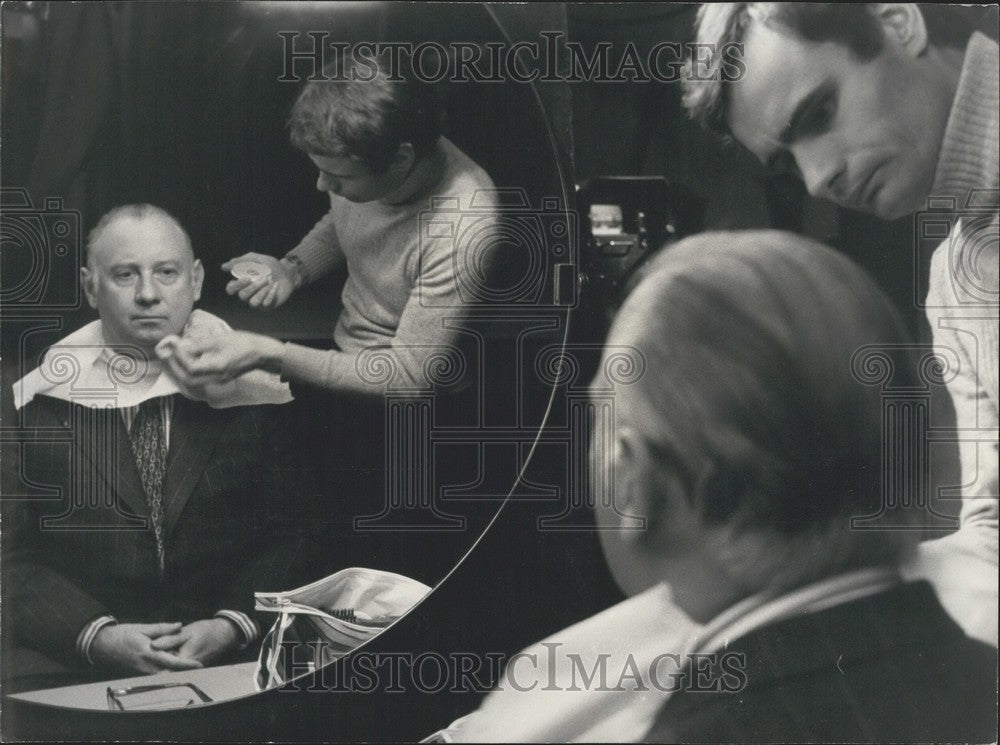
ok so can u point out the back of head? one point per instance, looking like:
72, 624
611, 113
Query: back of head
753, 395
366, 107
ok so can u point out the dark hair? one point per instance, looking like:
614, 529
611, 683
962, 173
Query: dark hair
852, 25
366, 108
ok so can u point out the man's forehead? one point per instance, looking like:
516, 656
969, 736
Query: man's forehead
340, 164
781, 70
150, 238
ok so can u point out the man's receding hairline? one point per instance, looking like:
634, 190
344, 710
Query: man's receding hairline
160, 217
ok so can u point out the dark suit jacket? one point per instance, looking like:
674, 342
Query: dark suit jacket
234, 505
889, 668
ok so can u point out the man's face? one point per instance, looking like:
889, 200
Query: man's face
143, 280
351, 179
865, 135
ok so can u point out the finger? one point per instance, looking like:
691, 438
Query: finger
255, 286
191, 649
173, 641
270, 297
195, 359
176, 370
194, 379
251, 256
178, 364
235, 285
262, 294
159, 629
209, 365
169, 661
192, 348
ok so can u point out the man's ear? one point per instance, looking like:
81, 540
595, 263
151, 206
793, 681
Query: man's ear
904, 25
633, 502
88, 281
405, 157
197, 278
635, 526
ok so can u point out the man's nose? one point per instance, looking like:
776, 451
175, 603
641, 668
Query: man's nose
147, 291
327, 184
823, 170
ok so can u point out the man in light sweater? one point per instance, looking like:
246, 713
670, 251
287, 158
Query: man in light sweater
373, 132
881, 108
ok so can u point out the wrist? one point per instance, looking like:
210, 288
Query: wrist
246, 627
271, 354
232, 633
86, 641
295, 270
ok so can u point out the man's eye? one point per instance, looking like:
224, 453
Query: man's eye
820, 115
167, 273
122, 276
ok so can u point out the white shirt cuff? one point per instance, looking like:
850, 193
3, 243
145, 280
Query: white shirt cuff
86, 637
247, 626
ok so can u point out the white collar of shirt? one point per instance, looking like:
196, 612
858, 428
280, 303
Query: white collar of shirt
762, 609
81, 368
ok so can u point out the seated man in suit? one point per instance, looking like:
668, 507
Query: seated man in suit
739, 458
169, 511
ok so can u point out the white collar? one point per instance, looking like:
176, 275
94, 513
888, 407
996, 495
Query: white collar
83, 369
762, 609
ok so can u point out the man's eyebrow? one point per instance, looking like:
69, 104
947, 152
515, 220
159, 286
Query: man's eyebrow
802, 108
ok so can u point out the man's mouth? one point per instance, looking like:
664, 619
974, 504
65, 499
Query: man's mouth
867, 189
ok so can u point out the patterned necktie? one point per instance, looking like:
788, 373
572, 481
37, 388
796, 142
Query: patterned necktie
149, 445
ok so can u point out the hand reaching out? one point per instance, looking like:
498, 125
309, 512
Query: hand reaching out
218, 359
268, 291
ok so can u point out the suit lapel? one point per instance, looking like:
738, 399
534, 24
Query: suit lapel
194, 431
102, 442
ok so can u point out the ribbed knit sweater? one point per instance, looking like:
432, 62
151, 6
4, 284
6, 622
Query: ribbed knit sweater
402, 286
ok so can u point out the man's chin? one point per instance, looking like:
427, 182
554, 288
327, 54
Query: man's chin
146, 342
891, 207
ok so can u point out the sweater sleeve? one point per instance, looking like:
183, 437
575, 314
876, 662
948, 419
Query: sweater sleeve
319, 251
424, 344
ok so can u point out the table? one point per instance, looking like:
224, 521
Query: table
219, 683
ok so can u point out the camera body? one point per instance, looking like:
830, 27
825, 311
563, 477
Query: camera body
627, 221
